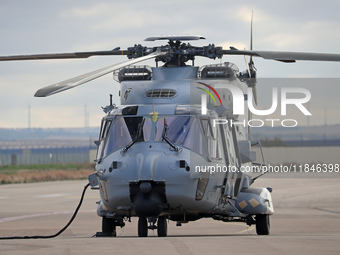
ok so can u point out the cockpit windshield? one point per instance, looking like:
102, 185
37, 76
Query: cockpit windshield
183, 131
126, 130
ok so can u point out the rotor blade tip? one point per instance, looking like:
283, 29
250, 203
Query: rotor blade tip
38, 94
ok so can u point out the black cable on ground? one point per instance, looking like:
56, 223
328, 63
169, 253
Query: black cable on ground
61, 231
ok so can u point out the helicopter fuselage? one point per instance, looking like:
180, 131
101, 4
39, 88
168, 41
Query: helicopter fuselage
157, 151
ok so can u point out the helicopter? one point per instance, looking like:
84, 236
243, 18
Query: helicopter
161, 156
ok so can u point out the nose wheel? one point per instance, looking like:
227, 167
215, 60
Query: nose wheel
162, 226
142, 227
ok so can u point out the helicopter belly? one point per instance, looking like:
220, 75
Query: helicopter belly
182, 197
150, 182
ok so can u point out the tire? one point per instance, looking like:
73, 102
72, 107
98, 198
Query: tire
142, 227
162, 227
109, 226
262, 224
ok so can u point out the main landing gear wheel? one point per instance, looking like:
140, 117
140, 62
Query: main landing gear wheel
162, 227
108, 227
262, 224
142, 227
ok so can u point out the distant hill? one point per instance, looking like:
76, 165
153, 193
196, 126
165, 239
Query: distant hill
291, 136
329, 132
48, 133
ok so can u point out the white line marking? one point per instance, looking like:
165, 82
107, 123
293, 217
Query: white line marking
22, 217
52, 195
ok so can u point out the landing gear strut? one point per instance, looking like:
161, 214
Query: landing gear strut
109, 227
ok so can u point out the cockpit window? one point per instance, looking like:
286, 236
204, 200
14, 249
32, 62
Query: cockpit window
106, 124
105, 128
181, 130
125, 130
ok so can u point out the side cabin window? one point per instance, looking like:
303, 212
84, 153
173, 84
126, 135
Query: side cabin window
212, 138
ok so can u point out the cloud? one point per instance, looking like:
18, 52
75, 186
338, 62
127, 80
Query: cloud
66, 26
93, 11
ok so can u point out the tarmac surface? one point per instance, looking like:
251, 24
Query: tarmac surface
306, 221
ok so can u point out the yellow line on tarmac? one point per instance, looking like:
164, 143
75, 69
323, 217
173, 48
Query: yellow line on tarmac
247, 230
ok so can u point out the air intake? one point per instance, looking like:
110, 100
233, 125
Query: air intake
133, 73
219, 71
160, 93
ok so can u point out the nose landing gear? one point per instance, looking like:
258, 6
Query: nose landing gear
162, 226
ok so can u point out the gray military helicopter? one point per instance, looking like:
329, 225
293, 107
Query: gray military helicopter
161, 155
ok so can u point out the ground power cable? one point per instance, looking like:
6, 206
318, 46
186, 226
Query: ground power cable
60, 231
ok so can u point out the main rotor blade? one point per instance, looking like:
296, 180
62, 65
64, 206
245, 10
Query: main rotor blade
251, 36
175, 37
284, 56
251, 30
255, 94
247, 65
76, 81
63, 55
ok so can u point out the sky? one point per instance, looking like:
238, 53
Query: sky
40, 26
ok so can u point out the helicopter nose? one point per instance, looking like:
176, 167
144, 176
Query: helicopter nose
145, 187
148, 197
148, 205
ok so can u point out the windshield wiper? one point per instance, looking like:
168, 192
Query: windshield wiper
138, 135
166, 139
